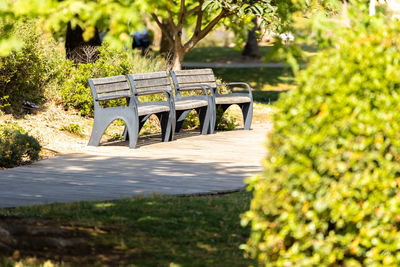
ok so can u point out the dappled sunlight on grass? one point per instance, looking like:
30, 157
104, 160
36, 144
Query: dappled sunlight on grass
151, 231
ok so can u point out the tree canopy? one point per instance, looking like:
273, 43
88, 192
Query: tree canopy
197, 18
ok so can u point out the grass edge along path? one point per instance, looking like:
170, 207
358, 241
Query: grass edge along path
143, 231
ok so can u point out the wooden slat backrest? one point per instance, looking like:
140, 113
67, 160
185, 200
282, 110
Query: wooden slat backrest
108, 88
151, 81
194, 77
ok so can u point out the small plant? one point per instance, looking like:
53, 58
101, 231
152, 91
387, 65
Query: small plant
4, 101
116, 137
16, 146
225, 121
73, 128
191, 121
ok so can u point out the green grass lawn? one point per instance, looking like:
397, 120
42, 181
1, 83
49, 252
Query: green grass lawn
260, 79
268, 83
144, 231
219, 54
230, 54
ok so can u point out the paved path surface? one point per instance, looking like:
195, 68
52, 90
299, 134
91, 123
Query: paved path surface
193, 164
231, 65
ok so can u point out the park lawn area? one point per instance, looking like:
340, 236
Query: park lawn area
260, 79
230, 54
219, 54
267, 83
143, 231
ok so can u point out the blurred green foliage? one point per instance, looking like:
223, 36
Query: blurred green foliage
38, 67
16, 146
329, 193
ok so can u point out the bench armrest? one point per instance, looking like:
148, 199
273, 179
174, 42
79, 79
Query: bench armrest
237, 83
205, 88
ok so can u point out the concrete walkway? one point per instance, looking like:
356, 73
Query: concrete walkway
193, 164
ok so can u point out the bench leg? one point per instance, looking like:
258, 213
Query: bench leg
165, 126
132, 128
204, 116
247, 111
99, 127
180, 118
213, 118
131, 132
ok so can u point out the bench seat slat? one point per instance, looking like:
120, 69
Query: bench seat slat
190, 104
163, 88
197, 79
194, 72
112, 87
232, 99
114, 95
153, 107
105, 80
152, 75
145, 83
212, 85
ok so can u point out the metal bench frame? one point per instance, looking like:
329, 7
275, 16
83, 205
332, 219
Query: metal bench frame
205, 78
203, 104
118, 87
155, 83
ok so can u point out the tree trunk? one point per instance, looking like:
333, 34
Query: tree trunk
77, 49
179, 54
251, 49
166, 46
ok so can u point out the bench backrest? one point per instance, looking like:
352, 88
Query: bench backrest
150, 81
192, 77
109, 88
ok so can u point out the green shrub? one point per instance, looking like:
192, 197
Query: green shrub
37, 68
191, 121
76, 93
16, 146
3, 102
329, 194
225, 121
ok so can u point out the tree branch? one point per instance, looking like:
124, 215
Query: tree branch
181, 13
170, 16
199, 19
190, 12
161, 26
201, 34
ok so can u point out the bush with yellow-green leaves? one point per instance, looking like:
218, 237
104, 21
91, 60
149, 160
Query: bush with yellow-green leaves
329, 194
16, 146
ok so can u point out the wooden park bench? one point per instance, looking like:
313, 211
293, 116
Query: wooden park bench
134, 113
205, 78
